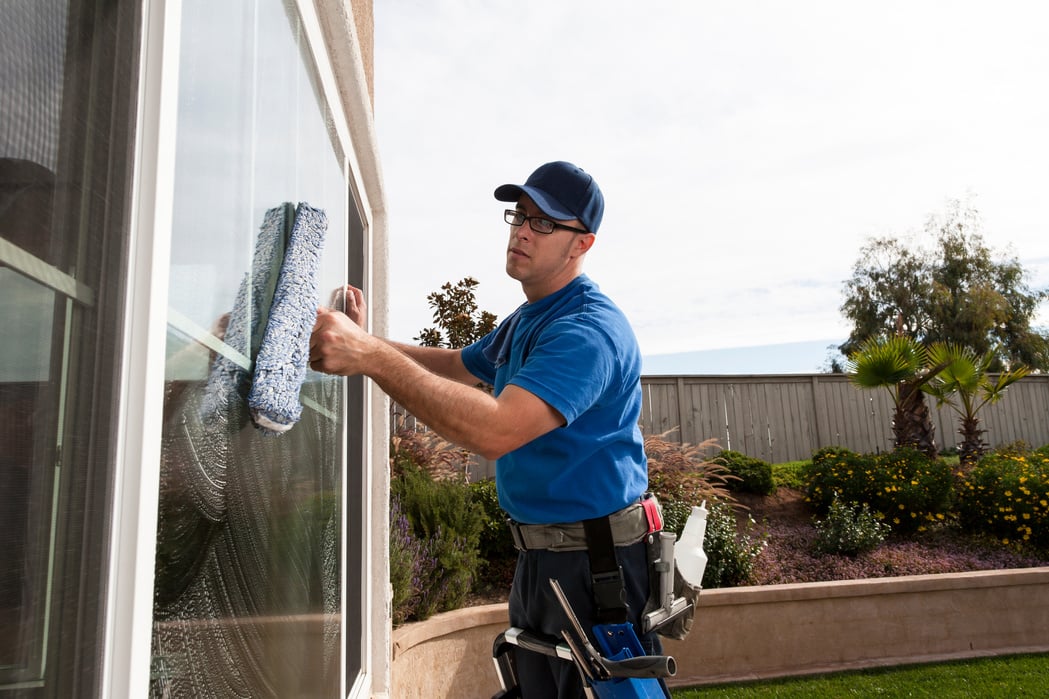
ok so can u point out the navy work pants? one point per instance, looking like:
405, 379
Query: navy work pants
534, 607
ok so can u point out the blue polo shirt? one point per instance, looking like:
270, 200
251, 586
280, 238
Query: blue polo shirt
575, 350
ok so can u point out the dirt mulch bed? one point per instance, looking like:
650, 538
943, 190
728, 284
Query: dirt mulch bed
790, 557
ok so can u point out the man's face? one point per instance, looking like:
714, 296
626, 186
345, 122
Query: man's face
540, 259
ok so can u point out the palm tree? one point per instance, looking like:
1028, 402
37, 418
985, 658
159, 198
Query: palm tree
966, 373
902, 365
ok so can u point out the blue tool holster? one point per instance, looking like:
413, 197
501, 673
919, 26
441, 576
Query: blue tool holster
620, 670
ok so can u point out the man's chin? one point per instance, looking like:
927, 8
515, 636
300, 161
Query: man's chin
512, 270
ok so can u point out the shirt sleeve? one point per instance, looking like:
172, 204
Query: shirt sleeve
570, 367
475, 362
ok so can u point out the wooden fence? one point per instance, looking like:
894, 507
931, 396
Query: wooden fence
787, 417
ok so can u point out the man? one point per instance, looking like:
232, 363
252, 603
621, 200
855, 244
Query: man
562, 420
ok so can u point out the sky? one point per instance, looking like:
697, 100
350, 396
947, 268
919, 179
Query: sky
746, 150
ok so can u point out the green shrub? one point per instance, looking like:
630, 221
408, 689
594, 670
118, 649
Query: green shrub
496, 547
731, 554
790, 474
675, 514
752, 475
495, 538
849, 529
904, 487
1006, 495
447, 525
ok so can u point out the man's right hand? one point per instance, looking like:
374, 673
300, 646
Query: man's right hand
339, 345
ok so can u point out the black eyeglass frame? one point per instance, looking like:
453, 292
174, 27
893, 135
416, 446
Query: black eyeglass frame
518, 218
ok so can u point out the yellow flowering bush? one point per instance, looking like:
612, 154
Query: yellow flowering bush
906, 489
1007, 496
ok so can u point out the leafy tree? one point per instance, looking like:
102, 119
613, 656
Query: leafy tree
885, 295
967, 374
903, 366
458, 320
954, 293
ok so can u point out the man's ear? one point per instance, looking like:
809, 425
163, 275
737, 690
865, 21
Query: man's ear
584, 241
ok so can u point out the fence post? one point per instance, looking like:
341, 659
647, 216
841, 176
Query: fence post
820, 427
681, 411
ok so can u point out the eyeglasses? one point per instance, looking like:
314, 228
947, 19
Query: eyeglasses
539, 224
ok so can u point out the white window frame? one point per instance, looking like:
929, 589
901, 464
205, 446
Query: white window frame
332, 36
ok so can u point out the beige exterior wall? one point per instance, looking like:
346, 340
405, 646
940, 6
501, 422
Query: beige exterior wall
779, 630
774, 631
364, 20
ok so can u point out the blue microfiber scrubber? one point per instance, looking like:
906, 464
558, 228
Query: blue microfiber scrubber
228, 380
283, 359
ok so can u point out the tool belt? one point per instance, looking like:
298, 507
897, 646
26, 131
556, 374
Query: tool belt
599, 537
628, 525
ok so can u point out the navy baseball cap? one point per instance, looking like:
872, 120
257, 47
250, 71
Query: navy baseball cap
562, 191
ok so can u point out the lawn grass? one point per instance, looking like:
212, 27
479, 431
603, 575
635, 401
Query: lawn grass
1003, 676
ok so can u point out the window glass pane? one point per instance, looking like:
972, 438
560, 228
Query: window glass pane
65, 95
248, 595
28, 473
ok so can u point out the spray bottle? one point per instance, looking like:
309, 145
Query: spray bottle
689, 556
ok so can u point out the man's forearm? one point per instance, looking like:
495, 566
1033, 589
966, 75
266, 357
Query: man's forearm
454, 410
441, 361
433, 384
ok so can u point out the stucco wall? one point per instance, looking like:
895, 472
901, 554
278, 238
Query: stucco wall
774, 630
364, 21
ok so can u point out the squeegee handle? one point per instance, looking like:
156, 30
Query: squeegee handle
642, 666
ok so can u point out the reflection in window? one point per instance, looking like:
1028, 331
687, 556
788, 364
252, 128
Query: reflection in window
28, 473
64, 152
248, 596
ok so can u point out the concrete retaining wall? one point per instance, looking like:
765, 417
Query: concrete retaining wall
774, 631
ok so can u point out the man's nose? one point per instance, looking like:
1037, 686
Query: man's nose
522, 232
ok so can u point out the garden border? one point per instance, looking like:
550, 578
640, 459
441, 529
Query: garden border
767, 631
